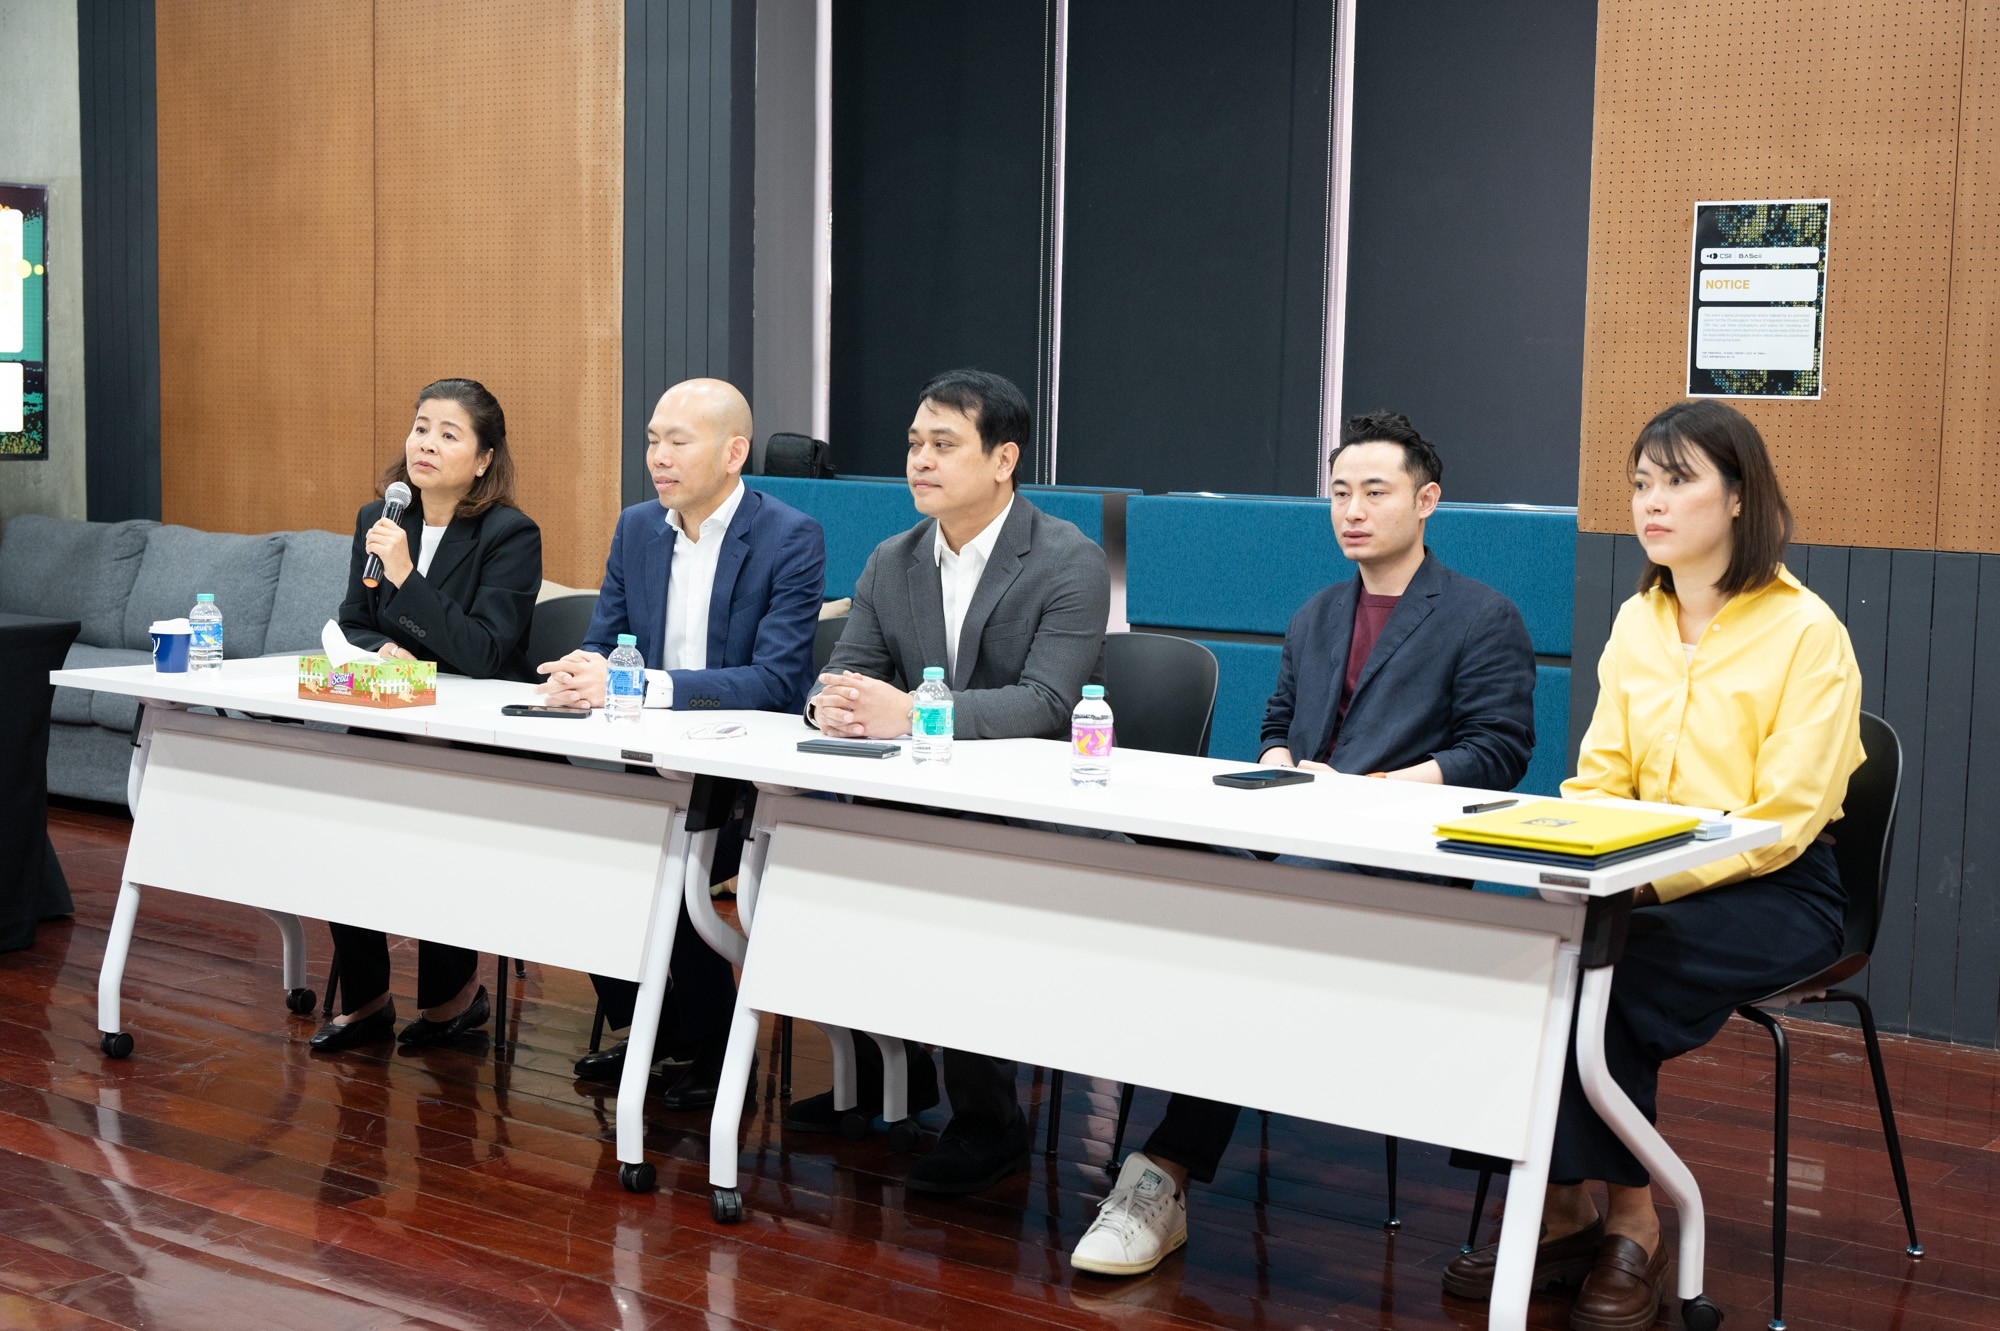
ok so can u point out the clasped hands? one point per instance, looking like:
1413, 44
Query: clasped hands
855, 706
577, 680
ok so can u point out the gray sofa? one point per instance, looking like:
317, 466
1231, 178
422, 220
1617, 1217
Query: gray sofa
116, 578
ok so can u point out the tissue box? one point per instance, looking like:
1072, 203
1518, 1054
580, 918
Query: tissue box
386, 684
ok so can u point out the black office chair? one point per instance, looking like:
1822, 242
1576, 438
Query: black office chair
1862, 840
1162, 695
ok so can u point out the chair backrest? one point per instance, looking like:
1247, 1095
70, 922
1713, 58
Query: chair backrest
825, 639
558, 626
1162, 691
1866, 828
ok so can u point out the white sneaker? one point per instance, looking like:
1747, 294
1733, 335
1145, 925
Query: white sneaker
1143, 1220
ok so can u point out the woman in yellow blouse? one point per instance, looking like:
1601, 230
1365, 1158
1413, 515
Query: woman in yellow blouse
1726, 685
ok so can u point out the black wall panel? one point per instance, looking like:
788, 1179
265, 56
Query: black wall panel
121, 289
1195, 248
937, 208
1926, 632
1469, 231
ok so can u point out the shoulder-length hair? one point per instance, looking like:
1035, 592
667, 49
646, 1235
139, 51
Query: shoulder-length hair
1733, 447
495, 489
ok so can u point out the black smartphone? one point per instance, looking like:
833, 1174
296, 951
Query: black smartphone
529, 709
1263, 778
851, 748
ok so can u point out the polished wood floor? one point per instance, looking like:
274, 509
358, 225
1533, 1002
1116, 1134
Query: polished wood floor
221, 1178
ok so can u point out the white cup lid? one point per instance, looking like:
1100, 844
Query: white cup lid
171, 626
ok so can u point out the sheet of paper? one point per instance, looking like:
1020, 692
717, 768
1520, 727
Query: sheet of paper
339, 651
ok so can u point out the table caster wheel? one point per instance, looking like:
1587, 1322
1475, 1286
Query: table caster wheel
300, 1001
903, 1136
116, 1044
855, 1125
637, 1178
1392, 1225
725, 1206
1700, 1314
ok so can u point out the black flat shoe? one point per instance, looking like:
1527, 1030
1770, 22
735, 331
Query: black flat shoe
967, 1162
423, 1031
375, 1027
696, 1088
608, 1065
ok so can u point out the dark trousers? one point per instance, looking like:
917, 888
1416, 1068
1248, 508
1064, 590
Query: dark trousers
701, 998
1687, 965
442, 969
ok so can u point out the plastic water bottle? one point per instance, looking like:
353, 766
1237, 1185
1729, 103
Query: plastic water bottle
930, 719
205, 641
625, 681
1090, 739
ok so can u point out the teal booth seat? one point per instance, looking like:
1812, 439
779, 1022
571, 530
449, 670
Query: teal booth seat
858, 514
1243, 565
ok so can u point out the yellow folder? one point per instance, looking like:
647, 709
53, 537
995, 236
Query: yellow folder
1568, 827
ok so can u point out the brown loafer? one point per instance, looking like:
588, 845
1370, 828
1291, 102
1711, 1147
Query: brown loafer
1622, 1291
1558, 1263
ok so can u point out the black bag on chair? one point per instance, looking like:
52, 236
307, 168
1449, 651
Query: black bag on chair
792, 455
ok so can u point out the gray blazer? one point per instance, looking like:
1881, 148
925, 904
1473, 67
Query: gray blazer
1032, 638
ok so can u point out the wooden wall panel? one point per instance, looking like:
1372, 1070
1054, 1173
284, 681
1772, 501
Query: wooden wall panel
1969, 480
266, 250
498, 199
1857, 100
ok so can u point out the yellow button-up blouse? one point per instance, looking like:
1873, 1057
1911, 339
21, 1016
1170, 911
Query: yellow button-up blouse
1762, 722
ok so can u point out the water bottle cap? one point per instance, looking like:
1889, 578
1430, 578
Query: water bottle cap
205, 598
627, 640
1093, 690
933, 672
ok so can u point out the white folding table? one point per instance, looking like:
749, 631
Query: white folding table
1445, 1012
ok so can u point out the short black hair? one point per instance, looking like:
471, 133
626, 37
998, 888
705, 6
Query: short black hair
1420, 457
992, 403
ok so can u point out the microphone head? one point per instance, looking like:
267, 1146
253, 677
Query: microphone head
397, 495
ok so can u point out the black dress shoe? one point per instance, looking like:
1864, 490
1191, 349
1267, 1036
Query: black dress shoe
816, 1113
696, 1087
608, 1065
965, 1161
374, 1027
423, 1031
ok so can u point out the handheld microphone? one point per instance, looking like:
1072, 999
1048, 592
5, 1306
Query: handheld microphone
394, 500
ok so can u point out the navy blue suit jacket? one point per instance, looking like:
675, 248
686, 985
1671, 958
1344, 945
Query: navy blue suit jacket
1452, 678
762, 613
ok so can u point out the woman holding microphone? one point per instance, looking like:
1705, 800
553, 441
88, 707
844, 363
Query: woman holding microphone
1726, 684
460, 571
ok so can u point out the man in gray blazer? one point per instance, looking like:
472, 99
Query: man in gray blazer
1013, 604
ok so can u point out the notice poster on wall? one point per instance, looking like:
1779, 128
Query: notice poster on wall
24, 325
1757, 298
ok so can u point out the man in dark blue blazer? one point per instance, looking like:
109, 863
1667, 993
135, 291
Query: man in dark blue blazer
721, 585
1408, 671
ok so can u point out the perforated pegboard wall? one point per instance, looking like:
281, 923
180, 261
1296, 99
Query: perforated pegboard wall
1969, 474
1856, 100
266, 254
499, 189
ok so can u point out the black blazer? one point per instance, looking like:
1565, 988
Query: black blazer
471, 612
1452, 678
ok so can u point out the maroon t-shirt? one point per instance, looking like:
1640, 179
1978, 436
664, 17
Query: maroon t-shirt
1371, 615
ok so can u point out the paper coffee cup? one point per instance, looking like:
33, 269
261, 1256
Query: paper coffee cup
171, 640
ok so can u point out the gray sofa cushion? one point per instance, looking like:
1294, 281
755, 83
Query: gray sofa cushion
81, 707
311, 582
242, 571
62, 569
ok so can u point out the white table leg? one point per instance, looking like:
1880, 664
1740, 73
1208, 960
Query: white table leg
846, 1085
112, 1038
1642, 1138
895, 1077
725, 1125
750, 875
727, 943
1521, 1225
634, 1172
293, 934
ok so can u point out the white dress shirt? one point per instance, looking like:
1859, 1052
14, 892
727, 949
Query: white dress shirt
959, 576
690, 585
428, 546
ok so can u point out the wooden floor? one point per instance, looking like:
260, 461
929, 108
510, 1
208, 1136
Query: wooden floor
222, 1178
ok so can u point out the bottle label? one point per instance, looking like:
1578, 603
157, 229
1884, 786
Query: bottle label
1090, 739
205, 635
624, 681
932, 720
